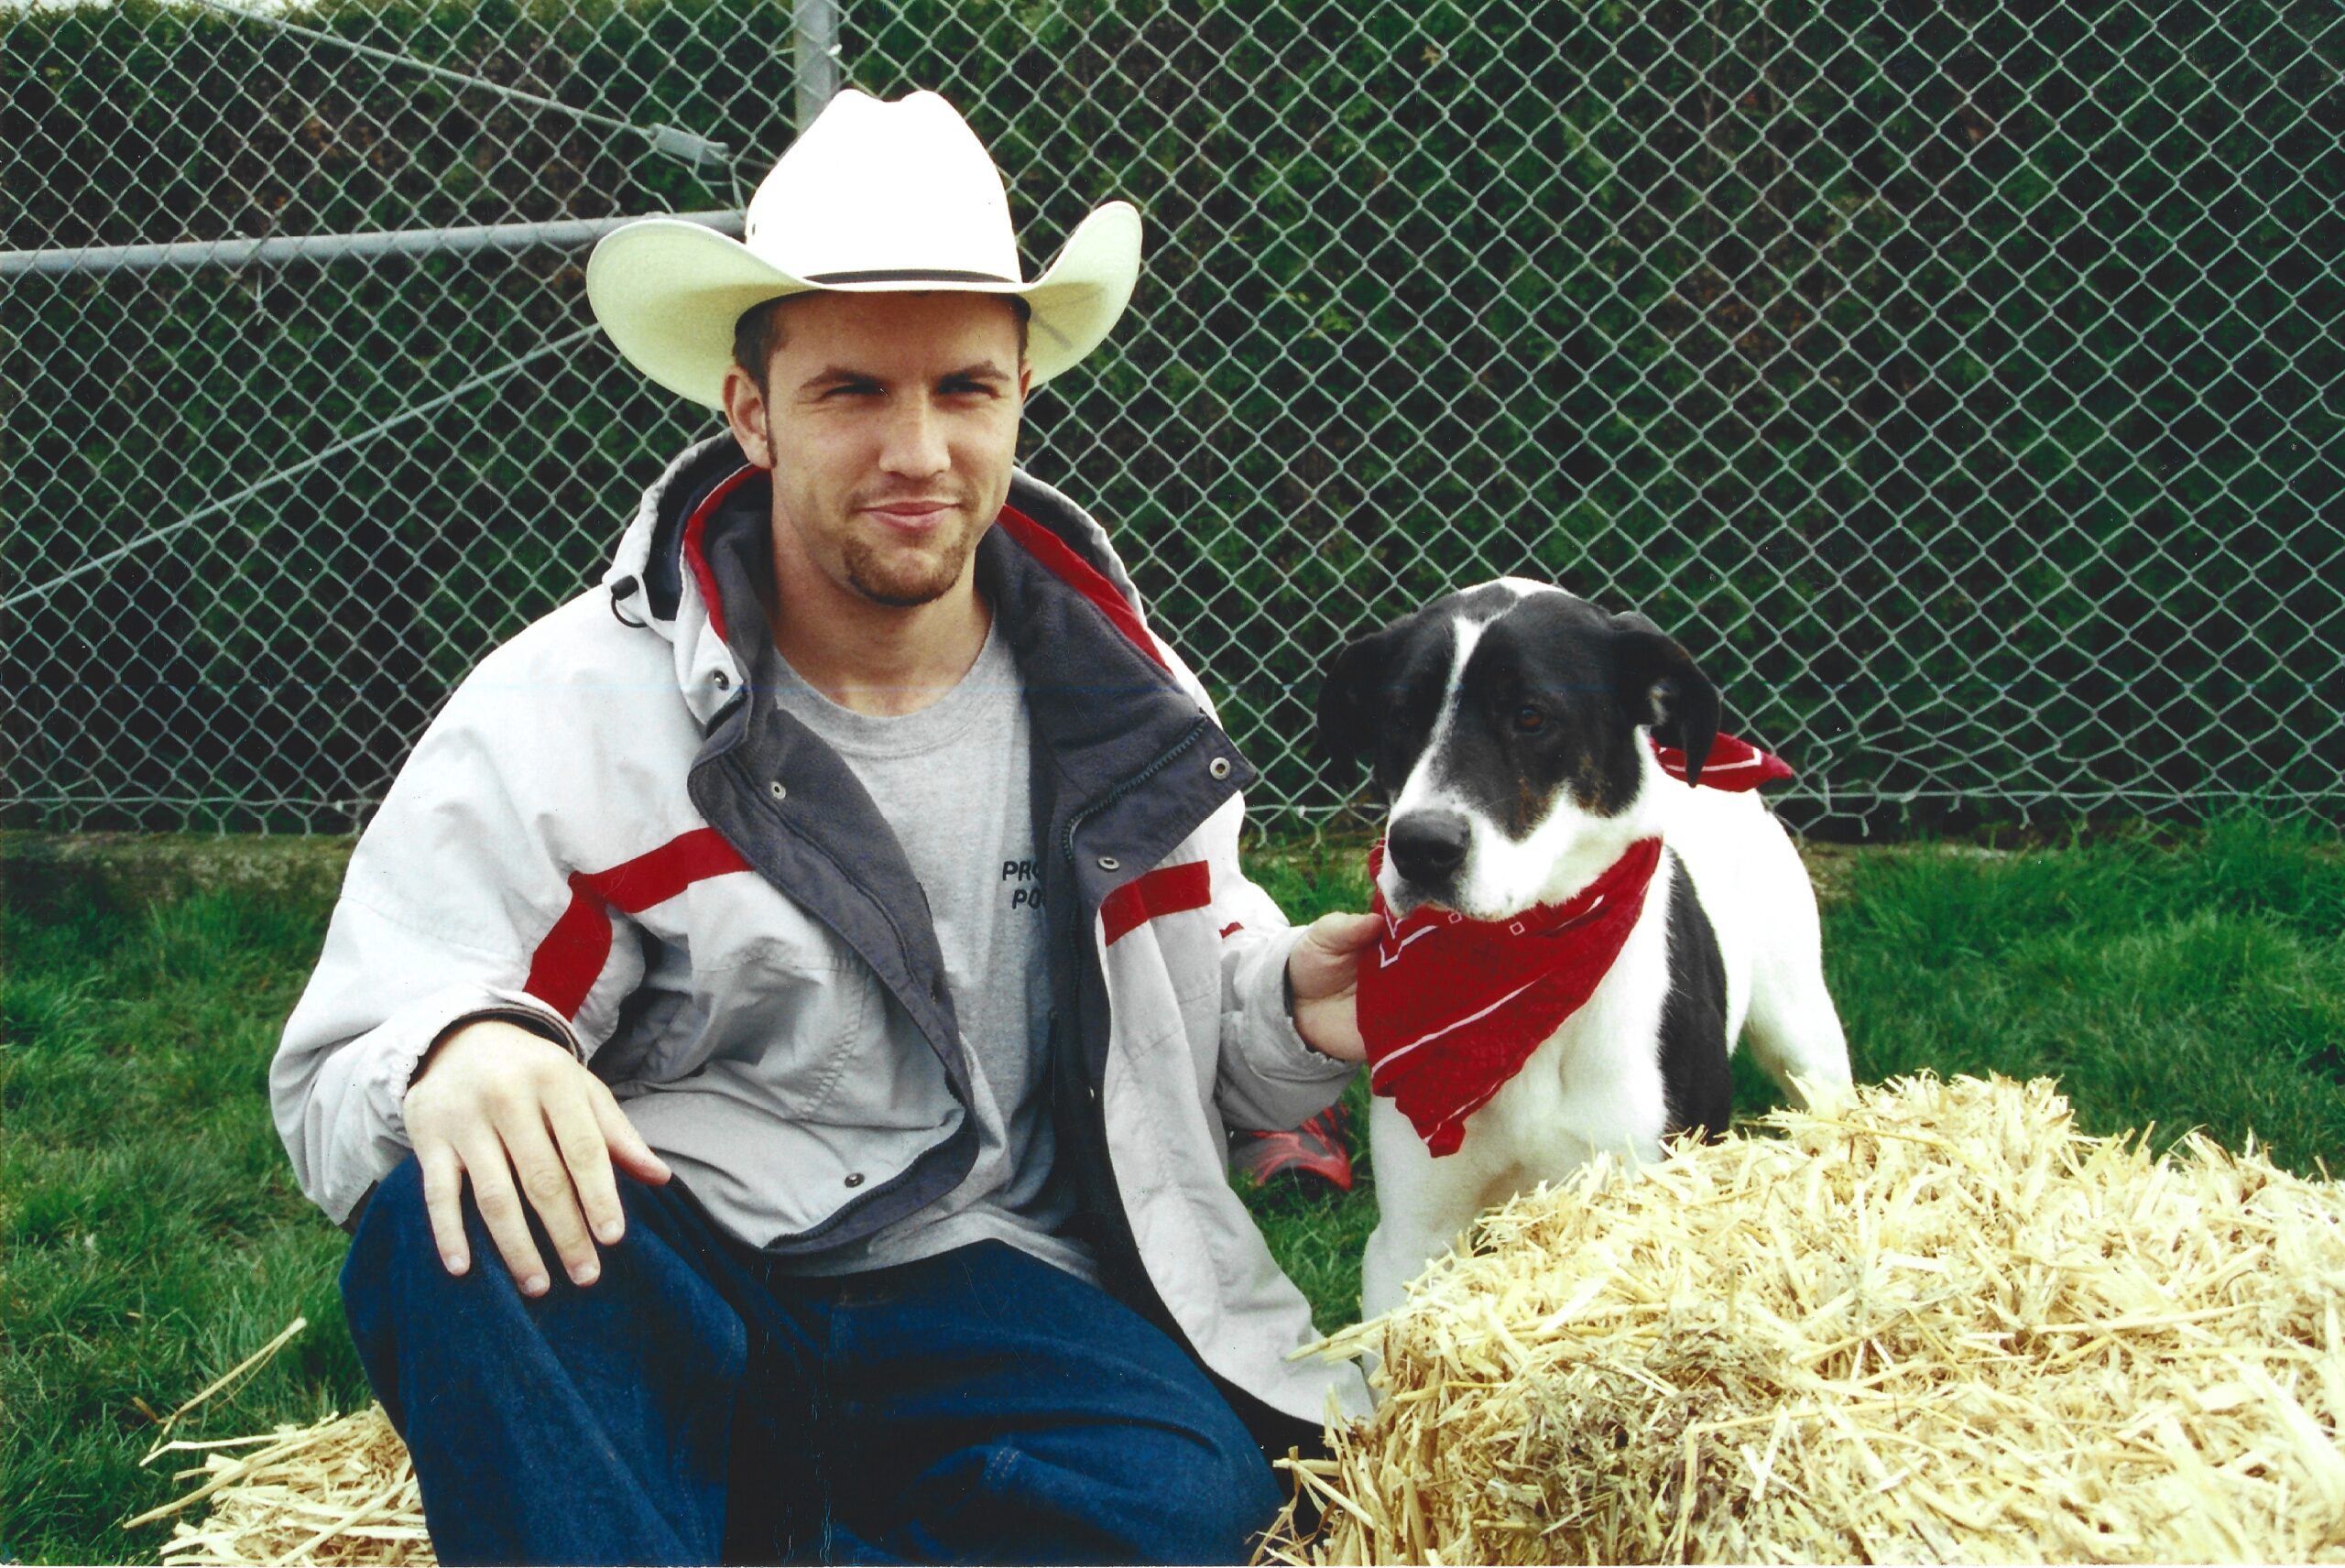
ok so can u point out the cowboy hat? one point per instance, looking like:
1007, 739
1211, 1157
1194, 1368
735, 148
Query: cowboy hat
873, 197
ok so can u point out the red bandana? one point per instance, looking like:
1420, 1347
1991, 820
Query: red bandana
1452, 1007
1734, 765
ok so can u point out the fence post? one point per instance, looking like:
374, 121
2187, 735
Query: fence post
816, 23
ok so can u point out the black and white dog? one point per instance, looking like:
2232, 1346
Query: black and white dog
1512, 731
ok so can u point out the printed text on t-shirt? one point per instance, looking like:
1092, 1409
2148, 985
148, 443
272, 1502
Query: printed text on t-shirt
1029, 896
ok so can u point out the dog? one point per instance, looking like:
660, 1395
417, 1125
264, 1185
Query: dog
1513, 731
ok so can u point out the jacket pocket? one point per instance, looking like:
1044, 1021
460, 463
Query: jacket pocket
774, 1000
794, 1028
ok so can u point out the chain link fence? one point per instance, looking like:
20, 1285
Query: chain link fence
1963, 385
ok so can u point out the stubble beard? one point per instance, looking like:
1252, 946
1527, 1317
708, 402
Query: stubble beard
903, 588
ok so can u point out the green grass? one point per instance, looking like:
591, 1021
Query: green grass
152, 1231
152, 1235
2192, 985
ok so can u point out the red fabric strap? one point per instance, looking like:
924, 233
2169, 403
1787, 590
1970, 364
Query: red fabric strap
571, 958
1734, 765
1167, 890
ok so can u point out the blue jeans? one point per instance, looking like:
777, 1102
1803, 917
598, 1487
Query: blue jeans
693, 1405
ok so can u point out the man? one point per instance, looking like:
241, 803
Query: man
777, 1040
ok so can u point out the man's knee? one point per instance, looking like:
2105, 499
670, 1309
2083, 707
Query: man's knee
1221, 1495
394, 1226
395, 1267
394, 1203
395, 1244
393, 1232
1185, 1491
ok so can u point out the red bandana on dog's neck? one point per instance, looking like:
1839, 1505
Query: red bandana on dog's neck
1452, 1007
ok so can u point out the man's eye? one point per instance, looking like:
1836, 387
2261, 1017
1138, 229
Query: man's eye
1528, 720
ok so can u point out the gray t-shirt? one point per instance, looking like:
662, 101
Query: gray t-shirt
952, 780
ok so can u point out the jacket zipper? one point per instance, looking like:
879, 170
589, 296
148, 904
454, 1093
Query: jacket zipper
1139, 1277
1171, 755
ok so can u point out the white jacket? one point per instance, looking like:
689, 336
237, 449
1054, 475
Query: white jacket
597, 837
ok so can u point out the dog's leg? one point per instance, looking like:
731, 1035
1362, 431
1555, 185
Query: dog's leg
1793, 1029
1424, 1206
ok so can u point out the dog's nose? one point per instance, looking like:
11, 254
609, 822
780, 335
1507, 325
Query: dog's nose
1428, 846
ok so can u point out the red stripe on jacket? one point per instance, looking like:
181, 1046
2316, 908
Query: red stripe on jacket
571, 958
696, 525
1061, 561
1167, 890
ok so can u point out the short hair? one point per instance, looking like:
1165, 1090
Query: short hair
757, 334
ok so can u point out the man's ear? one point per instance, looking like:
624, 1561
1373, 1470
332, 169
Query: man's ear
745, 414
1348, 699
1659, 685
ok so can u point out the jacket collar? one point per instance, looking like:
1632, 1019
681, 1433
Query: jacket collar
1100, 693
648, 571
646, 574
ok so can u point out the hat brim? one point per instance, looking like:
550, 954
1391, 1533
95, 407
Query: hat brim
668, 292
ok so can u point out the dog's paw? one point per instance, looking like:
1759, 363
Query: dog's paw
1820, 1096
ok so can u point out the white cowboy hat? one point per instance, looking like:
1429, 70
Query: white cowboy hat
871, 198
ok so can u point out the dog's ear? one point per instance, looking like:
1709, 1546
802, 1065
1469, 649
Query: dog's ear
1348, 699
1659, 685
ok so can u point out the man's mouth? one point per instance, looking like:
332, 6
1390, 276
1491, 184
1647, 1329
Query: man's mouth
913, 517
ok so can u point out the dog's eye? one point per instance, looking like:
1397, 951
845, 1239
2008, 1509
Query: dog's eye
1528, 719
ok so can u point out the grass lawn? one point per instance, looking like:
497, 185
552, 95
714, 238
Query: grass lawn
151, 1237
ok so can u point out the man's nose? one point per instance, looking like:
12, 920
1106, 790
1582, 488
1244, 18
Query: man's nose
915, 442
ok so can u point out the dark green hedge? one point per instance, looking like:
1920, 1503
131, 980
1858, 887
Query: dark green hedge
1961, 383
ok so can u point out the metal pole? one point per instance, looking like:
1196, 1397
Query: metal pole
816, 23
322, 248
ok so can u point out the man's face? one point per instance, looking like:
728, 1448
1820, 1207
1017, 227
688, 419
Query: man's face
891, 423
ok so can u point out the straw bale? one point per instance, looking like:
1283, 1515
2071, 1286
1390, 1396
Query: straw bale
1933, 1323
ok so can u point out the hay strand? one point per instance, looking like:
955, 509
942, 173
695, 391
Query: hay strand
339, 1492
257, 1358
1934, 1323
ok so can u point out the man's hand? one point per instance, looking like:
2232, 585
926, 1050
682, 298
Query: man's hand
519, 1115
1322, 972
